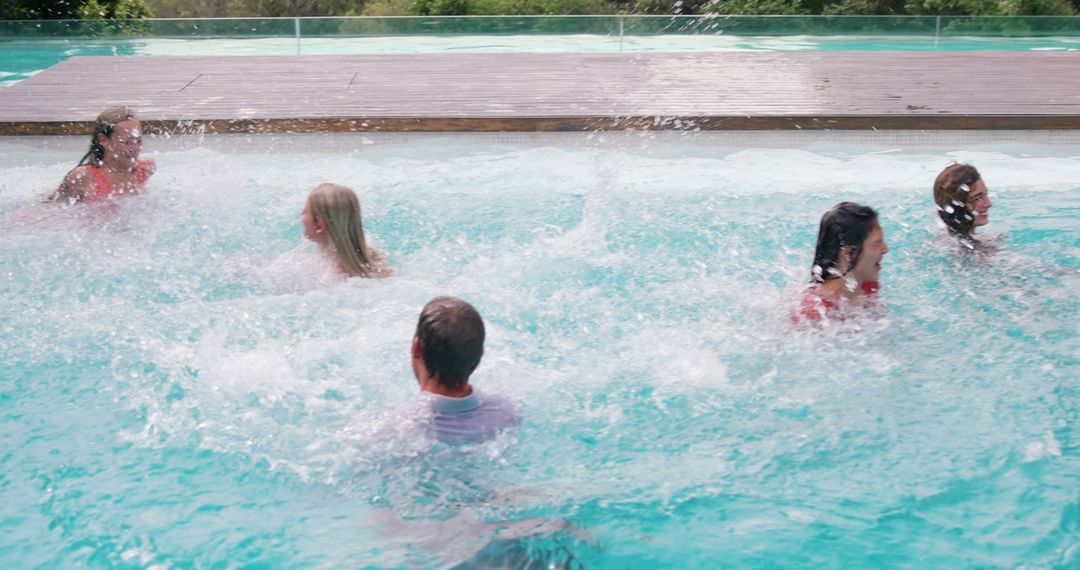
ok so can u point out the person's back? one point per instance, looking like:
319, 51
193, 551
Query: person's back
477, 417
446, 349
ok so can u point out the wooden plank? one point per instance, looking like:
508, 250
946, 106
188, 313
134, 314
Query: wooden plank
439, 92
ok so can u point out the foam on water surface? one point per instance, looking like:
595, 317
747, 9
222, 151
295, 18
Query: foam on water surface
183, 383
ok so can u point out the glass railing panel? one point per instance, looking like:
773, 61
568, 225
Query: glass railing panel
779, 25
224, 28
194, 28
1019, 26
459, 26
1011, 26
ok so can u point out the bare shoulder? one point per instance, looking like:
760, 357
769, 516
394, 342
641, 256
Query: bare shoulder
76, 184
149, 165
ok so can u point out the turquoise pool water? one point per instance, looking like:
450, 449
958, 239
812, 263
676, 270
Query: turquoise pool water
179, 388
20, 59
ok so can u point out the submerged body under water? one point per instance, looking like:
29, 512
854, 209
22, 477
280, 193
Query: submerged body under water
182, 381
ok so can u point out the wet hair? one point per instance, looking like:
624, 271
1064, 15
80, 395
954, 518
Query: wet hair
951, 189
106, 122
846, 224
451, 337
338, 208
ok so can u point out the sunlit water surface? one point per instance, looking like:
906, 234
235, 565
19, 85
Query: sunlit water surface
182, 384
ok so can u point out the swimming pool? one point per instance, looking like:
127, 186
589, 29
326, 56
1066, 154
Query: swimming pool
177, 392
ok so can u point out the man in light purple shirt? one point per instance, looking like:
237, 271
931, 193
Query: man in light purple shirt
446, 349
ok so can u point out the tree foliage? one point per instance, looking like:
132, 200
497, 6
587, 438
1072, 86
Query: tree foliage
114, 10
37, 10
73, 9
509, 7
134, 9
758, 7
389, 8
254, 8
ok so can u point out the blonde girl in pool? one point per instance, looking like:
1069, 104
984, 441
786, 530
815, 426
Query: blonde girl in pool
112, 165
331, 219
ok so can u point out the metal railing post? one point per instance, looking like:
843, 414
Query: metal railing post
296, 28
620, 32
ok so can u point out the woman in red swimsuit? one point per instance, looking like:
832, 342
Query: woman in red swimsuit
112, 164
847, 262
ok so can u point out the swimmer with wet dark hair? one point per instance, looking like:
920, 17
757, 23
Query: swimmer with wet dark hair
962, 200
112, 165
446, 349
847, 261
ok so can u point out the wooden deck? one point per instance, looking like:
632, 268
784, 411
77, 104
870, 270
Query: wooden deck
548, 92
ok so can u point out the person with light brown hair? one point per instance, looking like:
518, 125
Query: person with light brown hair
112, 165
962, 200
331, 219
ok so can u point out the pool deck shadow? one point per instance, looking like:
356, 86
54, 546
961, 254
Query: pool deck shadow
555, 92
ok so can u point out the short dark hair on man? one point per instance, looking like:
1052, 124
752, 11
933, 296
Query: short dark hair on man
451, 335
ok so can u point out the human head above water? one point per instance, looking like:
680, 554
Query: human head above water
850, 243
331, 218
117, 131
962, 199
449, 341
